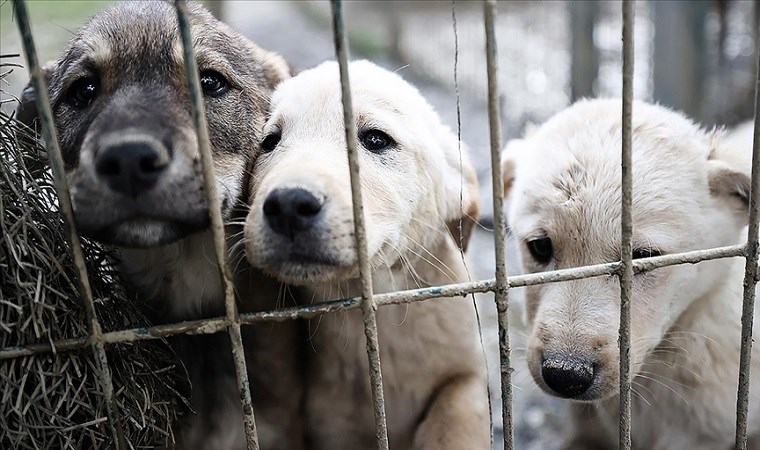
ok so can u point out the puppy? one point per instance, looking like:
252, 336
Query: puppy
416, 183
123, 115
690, 191
741, 137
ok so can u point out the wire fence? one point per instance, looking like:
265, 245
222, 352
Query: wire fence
369, 302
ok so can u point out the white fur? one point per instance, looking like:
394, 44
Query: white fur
564, 181
433, 370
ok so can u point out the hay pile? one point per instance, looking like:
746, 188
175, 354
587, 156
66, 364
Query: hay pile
55, 401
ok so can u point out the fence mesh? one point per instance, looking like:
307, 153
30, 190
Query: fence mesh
369, 302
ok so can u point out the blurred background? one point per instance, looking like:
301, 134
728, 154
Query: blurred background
696, 56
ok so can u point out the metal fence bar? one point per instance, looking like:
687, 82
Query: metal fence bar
501, 291
626, 252
210, 326
750, 280
64, 201
217, 225
369, 308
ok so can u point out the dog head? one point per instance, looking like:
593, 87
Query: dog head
563, 181
414, 179
122, 110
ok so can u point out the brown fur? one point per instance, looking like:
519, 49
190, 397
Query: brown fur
133, 51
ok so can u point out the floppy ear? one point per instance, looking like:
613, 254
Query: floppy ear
509, 163
26, 112
730, 184
460, 188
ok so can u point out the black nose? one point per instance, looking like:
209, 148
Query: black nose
568, 376
131, 167
290, 211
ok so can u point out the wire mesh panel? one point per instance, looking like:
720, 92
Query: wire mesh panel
368, 302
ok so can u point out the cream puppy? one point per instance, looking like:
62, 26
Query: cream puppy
418, 188
690, 192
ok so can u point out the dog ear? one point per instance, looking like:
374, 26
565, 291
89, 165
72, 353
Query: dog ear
461, 190
728, 171
731, 184
509, 156
26, 112
461, 224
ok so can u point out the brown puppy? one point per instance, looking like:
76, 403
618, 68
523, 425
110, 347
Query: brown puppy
122, 110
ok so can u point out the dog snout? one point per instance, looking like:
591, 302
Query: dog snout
291, 211
131, 167
568, 376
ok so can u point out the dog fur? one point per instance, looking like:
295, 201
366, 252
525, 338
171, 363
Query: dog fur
132, 53
433, 368
690, 191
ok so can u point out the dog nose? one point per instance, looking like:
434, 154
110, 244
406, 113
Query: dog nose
131, 167
568, 376
290, 211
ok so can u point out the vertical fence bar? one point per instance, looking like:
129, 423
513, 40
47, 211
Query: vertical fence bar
369, 308
750, 278
501, 291
626, 252
217, 225
64, 200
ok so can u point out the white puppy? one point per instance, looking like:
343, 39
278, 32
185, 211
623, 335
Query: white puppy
690, 192
417, 186
741, 137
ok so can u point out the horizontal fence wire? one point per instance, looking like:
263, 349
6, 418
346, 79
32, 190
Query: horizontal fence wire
626, 250
368, 306
750, 277
215, 325
501, 286
45, 115
217, 224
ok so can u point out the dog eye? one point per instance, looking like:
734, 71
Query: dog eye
270, 142
645, 253
376, 141
213, 83
541, 249
83, 92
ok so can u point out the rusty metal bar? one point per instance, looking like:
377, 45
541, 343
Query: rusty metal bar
217, 225
626, 252
501, 291
369, 308
215, 325
64, 201
750, 280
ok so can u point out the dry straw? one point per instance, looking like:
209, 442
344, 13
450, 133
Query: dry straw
55, 400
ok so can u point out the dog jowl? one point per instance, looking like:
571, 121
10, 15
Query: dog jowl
122, 110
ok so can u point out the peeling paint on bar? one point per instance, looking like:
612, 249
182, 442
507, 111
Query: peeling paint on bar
217, 225
64, 202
